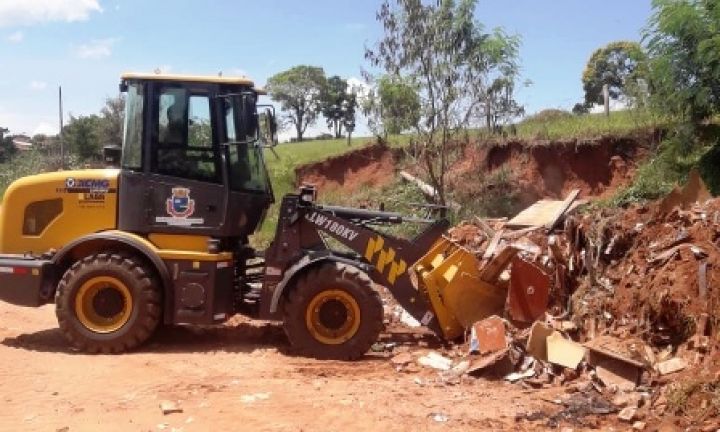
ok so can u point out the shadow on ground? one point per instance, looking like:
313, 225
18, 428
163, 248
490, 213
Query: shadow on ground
238, 338
243, 337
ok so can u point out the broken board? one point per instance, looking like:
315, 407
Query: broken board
543, 213
529, 291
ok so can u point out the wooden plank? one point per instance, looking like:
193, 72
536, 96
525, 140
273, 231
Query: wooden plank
493, 245
485, 227
563, 208
536, 215
497, 265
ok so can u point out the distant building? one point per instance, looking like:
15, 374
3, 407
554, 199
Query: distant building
22, 142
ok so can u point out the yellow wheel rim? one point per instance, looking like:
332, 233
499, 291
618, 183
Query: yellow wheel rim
103, 304
333, 317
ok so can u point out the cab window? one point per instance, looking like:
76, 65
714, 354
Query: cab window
132, 140
185, 145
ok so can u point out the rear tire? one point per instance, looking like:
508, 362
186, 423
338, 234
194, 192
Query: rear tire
108, 303
333, 312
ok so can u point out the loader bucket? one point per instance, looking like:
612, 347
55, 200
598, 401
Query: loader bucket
460, 292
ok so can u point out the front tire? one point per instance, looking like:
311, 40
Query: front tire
333, 312
108, 303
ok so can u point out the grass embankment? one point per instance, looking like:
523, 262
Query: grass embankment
559, 125
547, 125
292, 155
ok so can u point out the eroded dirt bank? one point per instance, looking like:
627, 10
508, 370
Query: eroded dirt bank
551, 169
373, 166
525, 170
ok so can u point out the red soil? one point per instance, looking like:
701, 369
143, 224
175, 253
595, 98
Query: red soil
373, 166
551, 170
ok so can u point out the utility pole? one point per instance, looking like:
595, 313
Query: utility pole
60, 135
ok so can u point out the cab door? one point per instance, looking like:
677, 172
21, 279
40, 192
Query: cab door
179, 186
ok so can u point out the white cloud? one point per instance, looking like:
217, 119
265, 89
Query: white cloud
46, 128
29, 123
38, 85
96, 49
26, 12
15, 37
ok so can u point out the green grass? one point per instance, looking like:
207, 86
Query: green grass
586, 126
292, 155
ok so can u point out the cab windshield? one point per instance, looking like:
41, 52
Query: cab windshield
247, 166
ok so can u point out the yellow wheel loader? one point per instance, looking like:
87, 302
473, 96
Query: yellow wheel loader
164, 238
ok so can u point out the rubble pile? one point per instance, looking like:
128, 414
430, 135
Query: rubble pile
618, 306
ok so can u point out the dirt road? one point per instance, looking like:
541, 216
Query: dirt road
237, 377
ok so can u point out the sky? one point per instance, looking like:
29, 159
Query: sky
84, 45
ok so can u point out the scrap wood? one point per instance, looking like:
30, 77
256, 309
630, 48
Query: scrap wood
509, 235
614, 368
544, 213
526, 245
427, 189
554, 248
563, 208
537, 215
484, 362
490, 251
488, 336
664, 256
493, 269
529, 291
487, 229
536, 345
600, 349
564, 352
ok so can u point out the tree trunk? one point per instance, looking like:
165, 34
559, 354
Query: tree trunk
299, 130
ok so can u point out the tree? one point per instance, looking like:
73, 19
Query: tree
619, 65
684, 47
298, 90
82, 136
338, 105
500, 105
445, 54
399, 104
112, 121
7, 147
580, 108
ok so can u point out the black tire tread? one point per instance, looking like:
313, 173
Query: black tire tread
306, 287
144, 282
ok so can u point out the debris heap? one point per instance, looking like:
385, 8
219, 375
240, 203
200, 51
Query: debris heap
619, 305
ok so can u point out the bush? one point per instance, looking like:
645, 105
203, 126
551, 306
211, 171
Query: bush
547, 115
31, 162
674, 159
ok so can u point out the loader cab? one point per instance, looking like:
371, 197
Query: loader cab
192, 157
